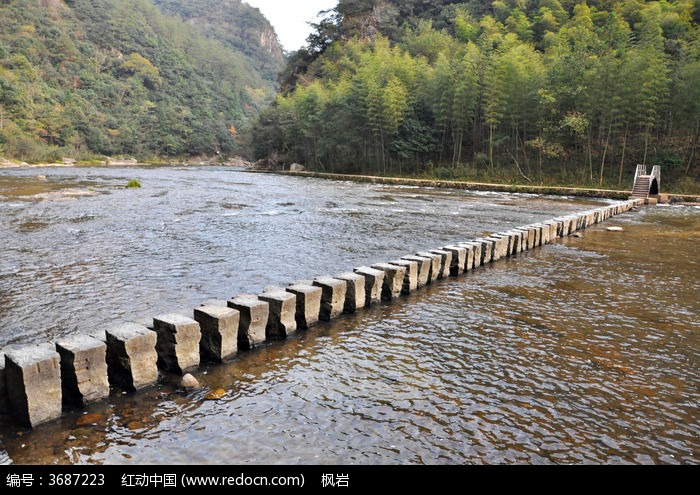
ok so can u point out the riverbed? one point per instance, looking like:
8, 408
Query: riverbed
582, 351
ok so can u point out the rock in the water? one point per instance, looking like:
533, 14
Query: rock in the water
89, 419
215, 394
189, 381
615, 229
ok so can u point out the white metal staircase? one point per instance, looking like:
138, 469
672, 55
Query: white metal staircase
646, 185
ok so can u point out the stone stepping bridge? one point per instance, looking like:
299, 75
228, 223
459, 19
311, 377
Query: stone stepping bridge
39, 382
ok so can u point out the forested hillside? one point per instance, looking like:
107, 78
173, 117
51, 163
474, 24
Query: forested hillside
541, 91
91, 78
234, 24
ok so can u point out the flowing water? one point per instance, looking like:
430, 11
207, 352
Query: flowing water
584, 351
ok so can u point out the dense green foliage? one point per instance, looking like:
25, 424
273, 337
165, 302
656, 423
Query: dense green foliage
547, 91
89, 78
234, 24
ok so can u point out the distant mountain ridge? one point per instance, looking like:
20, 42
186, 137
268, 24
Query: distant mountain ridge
235, 24
144, 78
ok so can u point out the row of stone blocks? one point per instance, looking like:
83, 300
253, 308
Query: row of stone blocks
37, 383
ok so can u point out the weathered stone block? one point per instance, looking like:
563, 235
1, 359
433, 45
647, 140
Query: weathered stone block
470, 252
516, 243
551, 225
410, 281
355, 294
178, 342
487, 247
573, 224
332, 297
477, 253
308, 306
219, 327
500, 246
459, 259
131, 356
528, 238
84, 376
374, 281
435, 264
445, 262
252, 324
281, 322
33, 379
394, 276
424, 267
513, 238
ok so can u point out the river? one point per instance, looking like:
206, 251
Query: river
584, 351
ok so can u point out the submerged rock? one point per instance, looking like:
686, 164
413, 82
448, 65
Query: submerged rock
89, 419
189, 381
215, 394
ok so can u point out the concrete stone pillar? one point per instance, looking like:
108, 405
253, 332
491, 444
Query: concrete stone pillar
445, 262
505, 244
131, 356
332, 297
394, 276
424, 266
477, 253
541, 234
178, 342
355, 294
583, 221
528, 237
374, 281
471, 255
459, 259
252, 325
435, 264
512, 241
562, 226
219, 327
281, 321
565, 227
500, 246
516, 243
575, 219
486, 250
410, 282
33, 380
552, 226
84, 378
308, 306
546, 234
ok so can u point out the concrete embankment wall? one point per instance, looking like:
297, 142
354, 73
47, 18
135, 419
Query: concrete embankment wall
464, 185
38, 383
